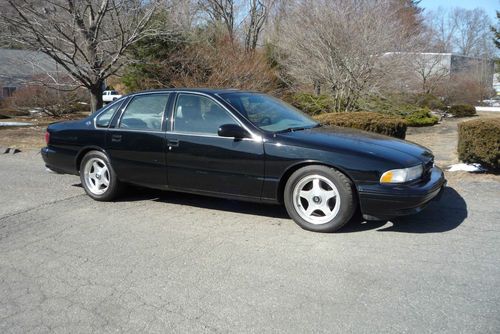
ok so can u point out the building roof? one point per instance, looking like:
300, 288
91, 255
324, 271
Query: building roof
18, 66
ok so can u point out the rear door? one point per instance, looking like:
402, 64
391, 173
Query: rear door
136, 145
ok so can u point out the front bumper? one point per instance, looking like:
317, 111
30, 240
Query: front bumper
385, 201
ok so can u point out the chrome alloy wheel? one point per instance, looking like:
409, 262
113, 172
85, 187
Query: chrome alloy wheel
316, 199
96, 176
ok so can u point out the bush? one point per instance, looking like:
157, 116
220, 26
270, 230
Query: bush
48, 100
312, 104
421, 118
479, 141
369, 121
400, 105
429, 101
462, 110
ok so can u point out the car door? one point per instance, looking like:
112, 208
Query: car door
136, 145
201, 161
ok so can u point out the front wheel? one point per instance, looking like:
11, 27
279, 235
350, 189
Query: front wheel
319, 198
98, 177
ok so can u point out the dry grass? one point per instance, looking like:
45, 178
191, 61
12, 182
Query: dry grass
28, 138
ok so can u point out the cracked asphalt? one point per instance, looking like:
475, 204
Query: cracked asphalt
159, 262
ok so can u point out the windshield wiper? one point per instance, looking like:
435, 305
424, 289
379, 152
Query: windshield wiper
291, 130
299, 128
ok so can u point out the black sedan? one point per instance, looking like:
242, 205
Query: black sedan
245, 146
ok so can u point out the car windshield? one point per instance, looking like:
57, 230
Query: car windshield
268, 113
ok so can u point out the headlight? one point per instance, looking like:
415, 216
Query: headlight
402, 175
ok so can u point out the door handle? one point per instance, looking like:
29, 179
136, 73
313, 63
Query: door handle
173, 143
116, 138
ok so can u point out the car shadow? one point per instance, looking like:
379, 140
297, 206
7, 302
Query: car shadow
134, 193
441, 215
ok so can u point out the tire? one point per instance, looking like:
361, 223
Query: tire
319, 198
98, 177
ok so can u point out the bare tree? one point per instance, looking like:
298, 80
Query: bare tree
87, 38
441, 31
222, 11
464, 31
430, 69
473, 34
339, 43
257, 17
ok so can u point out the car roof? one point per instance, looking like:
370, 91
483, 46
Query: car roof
210, 91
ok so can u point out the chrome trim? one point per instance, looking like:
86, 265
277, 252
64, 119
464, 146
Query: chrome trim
134, 130
206, 135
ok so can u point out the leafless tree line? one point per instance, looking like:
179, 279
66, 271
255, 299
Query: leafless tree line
463, 31
337, 46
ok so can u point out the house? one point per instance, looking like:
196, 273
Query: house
21, 67
446, 66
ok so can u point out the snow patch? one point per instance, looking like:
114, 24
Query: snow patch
15, 124
474, 168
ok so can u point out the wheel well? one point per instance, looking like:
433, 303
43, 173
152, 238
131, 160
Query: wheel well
290, 171
82, 153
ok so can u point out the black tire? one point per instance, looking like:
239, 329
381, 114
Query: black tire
114, 187
345, 190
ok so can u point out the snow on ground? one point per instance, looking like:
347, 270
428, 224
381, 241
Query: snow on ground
15, 123
494, 109
466, 167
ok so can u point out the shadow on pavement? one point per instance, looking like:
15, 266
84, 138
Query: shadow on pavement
439, 216
140, 194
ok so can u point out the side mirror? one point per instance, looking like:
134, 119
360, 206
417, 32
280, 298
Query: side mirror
232, 130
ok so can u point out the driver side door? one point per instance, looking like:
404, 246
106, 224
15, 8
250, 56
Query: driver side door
200, 161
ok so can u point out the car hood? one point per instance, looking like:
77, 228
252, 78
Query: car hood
334, 138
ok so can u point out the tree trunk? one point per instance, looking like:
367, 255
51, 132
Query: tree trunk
317, 88
95, 97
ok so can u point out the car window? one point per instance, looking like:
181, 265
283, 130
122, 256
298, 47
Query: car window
144, 112
103, 120
268, 113
199, 114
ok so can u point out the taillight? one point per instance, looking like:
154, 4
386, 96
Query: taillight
47, 137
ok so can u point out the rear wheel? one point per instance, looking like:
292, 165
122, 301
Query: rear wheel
319, 198
98, 177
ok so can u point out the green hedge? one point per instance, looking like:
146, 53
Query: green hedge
421, 118
403, 106
369, 121
462, 110
312, 104
479, 141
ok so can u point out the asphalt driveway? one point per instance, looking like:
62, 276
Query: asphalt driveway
165, 262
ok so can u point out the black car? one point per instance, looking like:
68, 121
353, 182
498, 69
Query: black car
246, 146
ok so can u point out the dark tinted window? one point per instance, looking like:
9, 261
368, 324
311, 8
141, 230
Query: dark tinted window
144, 112
199, 114
103, 120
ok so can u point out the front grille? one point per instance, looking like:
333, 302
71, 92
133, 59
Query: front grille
428, 168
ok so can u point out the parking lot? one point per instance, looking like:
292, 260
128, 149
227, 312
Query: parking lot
165, 262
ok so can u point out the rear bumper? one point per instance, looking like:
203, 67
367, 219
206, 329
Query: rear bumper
54, 163
386, 201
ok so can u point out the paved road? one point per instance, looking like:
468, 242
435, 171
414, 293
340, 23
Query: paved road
164, 262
